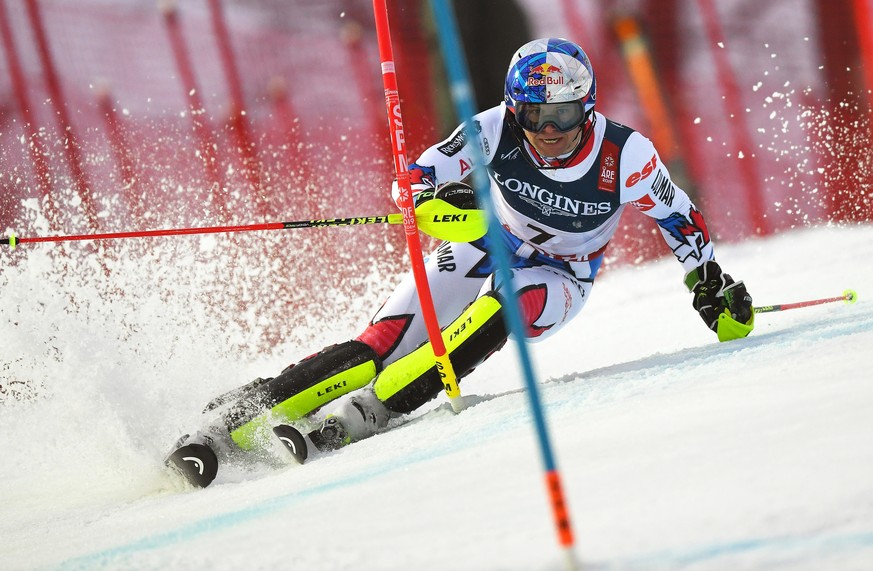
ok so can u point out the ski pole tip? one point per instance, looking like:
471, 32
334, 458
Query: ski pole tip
458, 404
850, 295
11, 240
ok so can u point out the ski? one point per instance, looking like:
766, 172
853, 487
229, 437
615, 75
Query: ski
293, 441
234, 395
330, 436
198, 458
195, 461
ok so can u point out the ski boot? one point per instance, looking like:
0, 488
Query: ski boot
361, 416
332, 435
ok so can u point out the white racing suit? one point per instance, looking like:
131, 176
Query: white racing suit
557, 223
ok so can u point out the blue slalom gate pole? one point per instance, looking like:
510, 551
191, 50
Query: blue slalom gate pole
461, 91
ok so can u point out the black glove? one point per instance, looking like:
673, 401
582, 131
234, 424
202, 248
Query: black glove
714, 291
457, 194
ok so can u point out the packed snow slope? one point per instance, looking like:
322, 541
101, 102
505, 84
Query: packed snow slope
676, 451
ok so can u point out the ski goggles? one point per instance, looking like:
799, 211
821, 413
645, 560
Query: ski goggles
563, 116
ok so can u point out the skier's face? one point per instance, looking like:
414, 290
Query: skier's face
550, 142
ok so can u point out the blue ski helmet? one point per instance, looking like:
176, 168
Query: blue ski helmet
550, 70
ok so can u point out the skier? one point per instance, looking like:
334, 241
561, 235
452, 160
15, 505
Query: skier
561, 175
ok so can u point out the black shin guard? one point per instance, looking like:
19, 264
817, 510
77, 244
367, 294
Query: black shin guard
302, 388
412, 380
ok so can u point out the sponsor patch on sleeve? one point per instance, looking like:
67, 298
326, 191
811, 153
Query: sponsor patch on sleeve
458, 140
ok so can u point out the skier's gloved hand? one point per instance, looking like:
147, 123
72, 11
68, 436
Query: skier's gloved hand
450, 213
421, 179
420, 191
723, 304
422, 197
457, 194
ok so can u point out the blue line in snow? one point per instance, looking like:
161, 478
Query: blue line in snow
801, 545
108, 557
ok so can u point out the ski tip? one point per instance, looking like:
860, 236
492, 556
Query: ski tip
850, 295
196, 462
293, 441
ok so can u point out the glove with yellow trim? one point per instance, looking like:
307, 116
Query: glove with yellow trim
723, 304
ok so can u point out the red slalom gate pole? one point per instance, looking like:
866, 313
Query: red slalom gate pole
738, 125
202, 129
398, 148
849, 296
34, 145
121, 150
53, 85
238, 119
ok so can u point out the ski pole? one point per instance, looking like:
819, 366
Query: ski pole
441, 221
849, 296
407, 207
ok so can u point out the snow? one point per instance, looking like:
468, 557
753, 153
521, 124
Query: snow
675, 451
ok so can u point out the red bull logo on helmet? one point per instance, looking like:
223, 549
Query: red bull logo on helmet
548, 75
